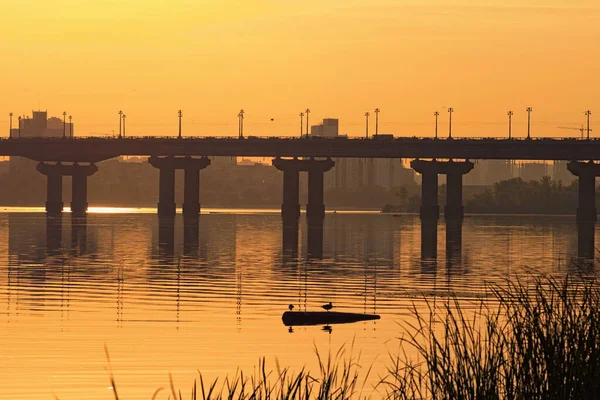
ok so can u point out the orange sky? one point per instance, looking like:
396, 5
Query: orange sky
274, 58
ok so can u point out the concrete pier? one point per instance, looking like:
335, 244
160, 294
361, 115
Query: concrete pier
166, 185
429, 212
55, 173
290, 208
80, 173
586, 207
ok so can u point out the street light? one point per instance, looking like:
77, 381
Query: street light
588, 113
120, 122
436, 114
124, 117
528, 109
180, 114
19, 127
64, 124
301, 123
307, 112
510, 114
10, 128
376, 121
241, 124
367, 125
450, 110
71, 126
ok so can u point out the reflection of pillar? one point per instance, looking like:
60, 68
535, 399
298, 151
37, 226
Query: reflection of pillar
290, 208
585, 240
79, 234
453, 239
191, 189
80, 174
315, 238
191, 227
428, 238
54, 234
166, 236
290, 240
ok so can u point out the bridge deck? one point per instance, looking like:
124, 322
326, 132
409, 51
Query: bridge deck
94, 149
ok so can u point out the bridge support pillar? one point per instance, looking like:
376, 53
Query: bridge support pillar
55, 173
586, 208
290, 208
79, 204
191, 188
166, 185
453, 212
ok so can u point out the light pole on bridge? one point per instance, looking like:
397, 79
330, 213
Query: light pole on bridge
124, 118
241, 124
307, 112
377, 121
436, 115
367, 125
120, 122
19, 126
64, 124
529, 110
10, 127
301, 123
588, 113
510, 114
450, 110
179, 114
71, 126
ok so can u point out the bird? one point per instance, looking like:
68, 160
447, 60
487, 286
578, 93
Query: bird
291, 307
327, 306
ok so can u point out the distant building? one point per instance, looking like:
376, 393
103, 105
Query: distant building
355, 173
39, 125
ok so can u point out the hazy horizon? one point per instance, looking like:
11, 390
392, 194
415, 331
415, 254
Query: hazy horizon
275, 59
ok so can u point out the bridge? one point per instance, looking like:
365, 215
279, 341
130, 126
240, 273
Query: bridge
95, 149
77, 157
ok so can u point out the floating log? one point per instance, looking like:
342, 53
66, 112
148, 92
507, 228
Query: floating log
296, 318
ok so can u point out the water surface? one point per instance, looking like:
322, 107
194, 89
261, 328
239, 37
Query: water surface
174, 299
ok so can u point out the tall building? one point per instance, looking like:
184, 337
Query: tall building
39, 125
354, 173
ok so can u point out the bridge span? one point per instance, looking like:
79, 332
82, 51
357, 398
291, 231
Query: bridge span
77, 157
95, 149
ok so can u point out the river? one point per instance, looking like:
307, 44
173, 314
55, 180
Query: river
174, 299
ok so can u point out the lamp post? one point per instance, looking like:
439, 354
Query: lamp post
120, 122
179, 114
436, 115
301, 123
241, 123
10, 126
124, 118
377, 121
71, 126
588, 113
307, 112
64, 124
510, 114
19, 126
367, 125
528, 109
450, 110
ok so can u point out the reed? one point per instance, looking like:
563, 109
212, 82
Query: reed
538, 340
